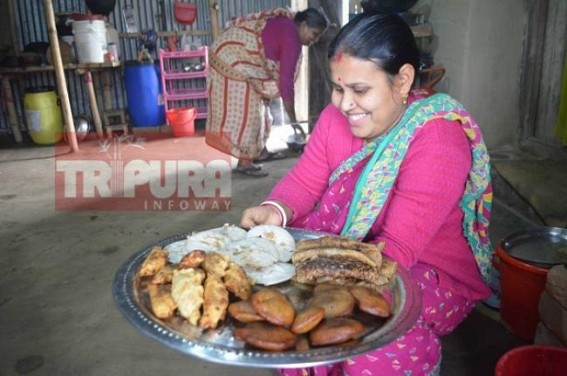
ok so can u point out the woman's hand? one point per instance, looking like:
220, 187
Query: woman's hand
260, 215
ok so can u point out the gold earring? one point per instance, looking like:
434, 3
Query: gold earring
404, 99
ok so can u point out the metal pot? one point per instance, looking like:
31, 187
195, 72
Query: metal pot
82, 128
297, 141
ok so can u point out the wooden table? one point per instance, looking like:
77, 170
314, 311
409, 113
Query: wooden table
7, 74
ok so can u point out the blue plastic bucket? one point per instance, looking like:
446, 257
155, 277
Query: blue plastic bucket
143, 89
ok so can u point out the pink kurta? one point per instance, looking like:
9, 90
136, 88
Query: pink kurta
282, 44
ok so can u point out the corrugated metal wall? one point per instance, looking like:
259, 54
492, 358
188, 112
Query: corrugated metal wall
31, 27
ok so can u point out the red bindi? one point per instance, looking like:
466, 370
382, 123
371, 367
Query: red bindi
340, 79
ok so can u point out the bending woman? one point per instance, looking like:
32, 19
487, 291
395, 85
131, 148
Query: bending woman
253, 61
385, 165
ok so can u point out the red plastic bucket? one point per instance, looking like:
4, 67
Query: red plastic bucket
182, 121
521, 285
533, 360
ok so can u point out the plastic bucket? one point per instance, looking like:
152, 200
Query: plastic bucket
182, 121
533, 360
143, 91
90, 40
43, 116
521, 285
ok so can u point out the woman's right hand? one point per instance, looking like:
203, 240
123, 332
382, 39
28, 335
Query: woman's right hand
260, 215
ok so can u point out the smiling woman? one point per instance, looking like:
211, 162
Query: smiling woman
384, 164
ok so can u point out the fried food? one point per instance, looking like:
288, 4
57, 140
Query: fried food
156, 260
334, 265
215, 302
274, 306
307, 319
335, 330
215, 264
237, 282
193, 259
163, 305
164, 275
388, 269
371, 301
187, 292
266, 336
337, 302
244, 311
336, 242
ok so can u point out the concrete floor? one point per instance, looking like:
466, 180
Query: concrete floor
57, 314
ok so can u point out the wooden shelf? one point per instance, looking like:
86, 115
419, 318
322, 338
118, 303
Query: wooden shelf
50, 68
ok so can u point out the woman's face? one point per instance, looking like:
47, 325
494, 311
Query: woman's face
307, 34
366, 95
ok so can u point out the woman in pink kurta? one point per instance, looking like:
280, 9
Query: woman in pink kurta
385, 165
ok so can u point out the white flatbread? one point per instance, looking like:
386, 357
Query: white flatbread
272, 274
284, 242
232, 232
262, 252
252, 252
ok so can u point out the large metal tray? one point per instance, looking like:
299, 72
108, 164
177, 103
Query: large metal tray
220, 346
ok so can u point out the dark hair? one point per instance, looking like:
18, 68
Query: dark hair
312, 17
384, 39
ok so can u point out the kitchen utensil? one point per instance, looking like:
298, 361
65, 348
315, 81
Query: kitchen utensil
297, 141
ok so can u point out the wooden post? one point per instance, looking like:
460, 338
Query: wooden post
60, 76
93, 103
214, 12
107, 90
13, 117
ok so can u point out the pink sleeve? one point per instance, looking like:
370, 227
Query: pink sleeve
427, 192
330, 143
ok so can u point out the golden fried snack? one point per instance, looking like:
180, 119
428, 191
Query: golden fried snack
193, 259
274, 306
215, 302
237, 282
163, 305
215, 264
266, 336
164, 275
371, 301
337, 302
156, 260
335, 330
307, 319
336, 242
244, 311
388, 269
187, 292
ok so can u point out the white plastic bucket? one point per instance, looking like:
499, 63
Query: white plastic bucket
90, 40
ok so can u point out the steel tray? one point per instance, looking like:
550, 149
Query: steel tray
220, 346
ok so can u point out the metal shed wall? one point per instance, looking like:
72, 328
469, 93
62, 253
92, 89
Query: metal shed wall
31, 27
